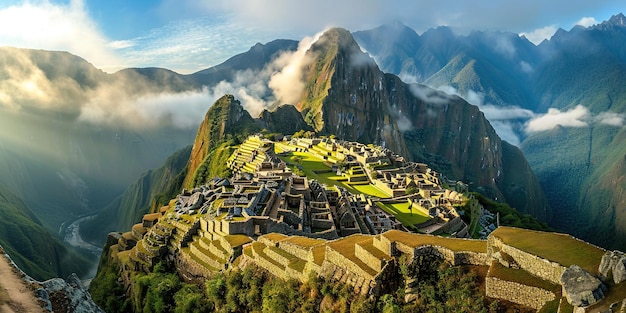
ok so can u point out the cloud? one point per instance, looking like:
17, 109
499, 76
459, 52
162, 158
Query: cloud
430, 95
576, 117
181, 110
288, 82
193, 44
50, 26
611, 118
504, 119
525, 67
579, 116
540, 34
309, 16
587, 21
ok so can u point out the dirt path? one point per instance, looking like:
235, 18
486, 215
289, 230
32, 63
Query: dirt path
15, 294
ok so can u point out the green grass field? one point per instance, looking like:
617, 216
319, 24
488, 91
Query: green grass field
310, 164
403, 214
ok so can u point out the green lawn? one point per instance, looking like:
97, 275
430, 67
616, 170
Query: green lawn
310, 163
403, 214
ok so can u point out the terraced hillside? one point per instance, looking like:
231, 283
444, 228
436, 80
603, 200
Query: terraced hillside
295, 226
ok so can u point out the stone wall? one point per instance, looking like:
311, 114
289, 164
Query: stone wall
341, 261
452, 257
529, 296
368, 258
540, 267
238, 227
300, 252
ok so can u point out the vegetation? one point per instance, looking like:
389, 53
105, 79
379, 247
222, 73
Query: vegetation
441, 288
31, 246
214, 164
509, 216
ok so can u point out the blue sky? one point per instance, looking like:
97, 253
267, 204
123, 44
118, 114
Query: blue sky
190, 35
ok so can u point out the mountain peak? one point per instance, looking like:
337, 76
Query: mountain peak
616, 20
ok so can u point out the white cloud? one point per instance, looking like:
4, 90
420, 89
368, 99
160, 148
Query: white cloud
539, 34
587, 21
44, 25
121, 44
576, 117
288, 82
182, 110
611, 118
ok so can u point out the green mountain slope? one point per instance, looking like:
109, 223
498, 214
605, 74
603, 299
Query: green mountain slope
31, 246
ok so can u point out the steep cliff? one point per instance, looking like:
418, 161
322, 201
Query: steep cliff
347, 95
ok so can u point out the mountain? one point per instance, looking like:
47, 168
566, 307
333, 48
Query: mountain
347, 95
254, 60
31, 246
577, 167
492, 63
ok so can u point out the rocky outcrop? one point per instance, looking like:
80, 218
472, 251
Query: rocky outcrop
581, 288
69, 295
613, 262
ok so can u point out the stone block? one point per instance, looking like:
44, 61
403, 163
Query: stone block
580, 287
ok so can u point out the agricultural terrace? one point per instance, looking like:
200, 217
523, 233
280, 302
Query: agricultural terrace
560, 248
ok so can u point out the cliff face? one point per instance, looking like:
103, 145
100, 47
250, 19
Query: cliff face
347, 95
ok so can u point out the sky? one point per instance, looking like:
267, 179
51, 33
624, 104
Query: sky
191, 35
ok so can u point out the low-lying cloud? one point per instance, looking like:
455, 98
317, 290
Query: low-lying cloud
579, 116
576, 117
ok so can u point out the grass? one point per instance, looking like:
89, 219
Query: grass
319, 254
403, 214
237, 240
559, 248
274, 237
304, 241
454, 244
310, 164
522, 277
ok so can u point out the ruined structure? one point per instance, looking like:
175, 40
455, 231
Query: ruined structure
294, 226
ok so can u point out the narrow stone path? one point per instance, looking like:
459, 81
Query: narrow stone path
16, 294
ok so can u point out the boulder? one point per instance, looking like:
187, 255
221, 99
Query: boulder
613, 262
619, 271
70, 295
580, 287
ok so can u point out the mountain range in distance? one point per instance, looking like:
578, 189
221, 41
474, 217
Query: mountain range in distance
98, 132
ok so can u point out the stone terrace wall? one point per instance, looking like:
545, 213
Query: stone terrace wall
338, 259
540, 267
533, 297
